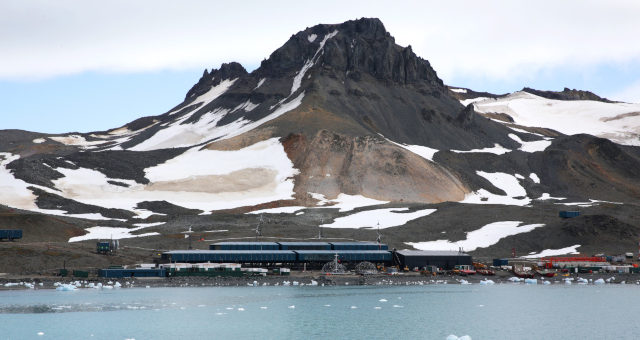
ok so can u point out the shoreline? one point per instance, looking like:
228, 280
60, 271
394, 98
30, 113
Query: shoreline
26, 282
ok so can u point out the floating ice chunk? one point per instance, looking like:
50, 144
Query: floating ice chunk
546, 282
582, 281
397, 306
40, 333
263, 307
117, 285
515, 279
66, 287
453, 337
354, 307
292, 307
382, 300
377, 307
296, 283
598, 282
313, 283
464, 282
327, 305
487, 282
240, 309
531, 281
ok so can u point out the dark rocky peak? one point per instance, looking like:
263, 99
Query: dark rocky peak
230, 70
567, 94
350, 49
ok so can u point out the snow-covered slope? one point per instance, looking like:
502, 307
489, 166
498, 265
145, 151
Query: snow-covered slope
619, 122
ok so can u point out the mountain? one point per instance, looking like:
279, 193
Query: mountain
339, 124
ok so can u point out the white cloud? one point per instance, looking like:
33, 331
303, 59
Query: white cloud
491, 39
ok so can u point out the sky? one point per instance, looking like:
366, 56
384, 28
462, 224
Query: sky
94, 65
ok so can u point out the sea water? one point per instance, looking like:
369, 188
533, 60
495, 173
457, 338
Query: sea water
501, 311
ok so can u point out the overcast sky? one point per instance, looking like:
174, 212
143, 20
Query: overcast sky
93, 65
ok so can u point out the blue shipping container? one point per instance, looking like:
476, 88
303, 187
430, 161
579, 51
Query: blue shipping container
569, 214
10, 234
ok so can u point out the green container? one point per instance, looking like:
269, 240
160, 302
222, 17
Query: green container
80, 273
64, 272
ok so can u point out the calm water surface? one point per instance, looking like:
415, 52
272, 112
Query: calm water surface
505, 311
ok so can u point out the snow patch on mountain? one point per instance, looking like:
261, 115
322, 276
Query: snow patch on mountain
497, 149
206, 129
422, 151
297, 80
107, 233
533, 146
515, 193
279, 210
197, 179
619, 122
75, 140
211, 95
458, 90
346, 202
554, 252
534, 178
486, 236
390, 217
259, 83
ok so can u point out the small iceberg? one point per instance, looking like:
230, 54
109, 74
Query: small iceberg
515, 279
66, 287
453, 337
531, 281
598, 282
487, 282
464, 282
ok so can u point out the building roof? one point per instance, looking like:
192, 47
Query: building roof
407, 252
229, 252
245, 243
341, 251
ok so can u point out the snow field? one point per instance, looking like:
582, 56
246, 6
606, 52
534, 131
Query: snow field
261, 173
486, 236
619, 122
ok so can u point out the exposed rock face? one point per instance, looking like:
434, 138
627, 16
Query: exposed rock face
226, 71
567, 94
332, 163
